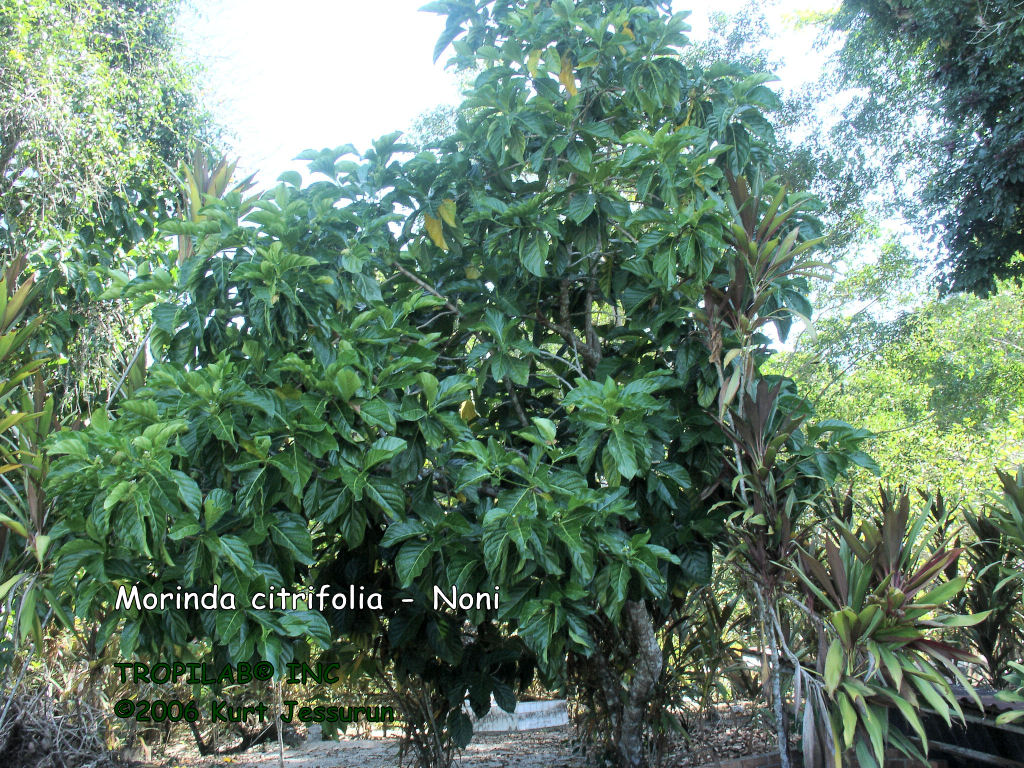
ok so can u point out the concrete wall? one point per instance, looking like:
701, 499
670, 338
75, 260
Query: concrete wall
528, 716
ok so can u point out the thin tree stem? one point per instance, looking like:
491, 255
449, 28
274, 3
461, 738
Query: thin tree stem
428, 288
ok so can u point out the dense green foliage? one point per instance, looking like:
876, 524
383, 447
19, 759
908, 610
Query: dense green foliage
1002, 637
95, 98
96, 109
995, 581
483, 365
530, 353
98, 112
940, 384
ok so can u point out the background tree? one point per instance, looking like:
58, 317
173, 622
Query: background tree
99, 110
937, 381
944, 92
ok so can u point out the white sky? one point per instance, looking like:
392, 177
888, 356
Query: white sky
315, 73
288, 76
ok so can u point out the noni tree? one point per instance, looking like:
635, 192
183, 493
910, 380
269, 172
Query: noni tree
488, 366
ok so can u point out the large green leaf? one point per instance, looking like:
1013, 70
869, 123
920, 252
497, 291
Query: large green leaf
412, 558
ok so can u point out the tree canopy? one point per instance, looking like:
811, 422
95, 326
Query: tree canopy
944, 87
517, 360
96, 102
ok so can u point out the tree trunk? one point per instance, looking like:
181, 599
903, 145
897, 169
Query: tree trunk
775, 673
649, 660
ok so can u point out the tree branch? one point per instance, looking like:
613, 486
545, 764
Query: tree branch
428, 288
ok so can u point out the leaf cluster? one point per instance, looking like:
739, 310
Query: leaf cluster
879, 589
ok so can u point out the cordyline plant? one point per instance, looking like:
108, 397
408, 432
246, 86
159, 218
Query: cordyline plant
1006, 521
878, 594
995, 585
779, 460
486, 366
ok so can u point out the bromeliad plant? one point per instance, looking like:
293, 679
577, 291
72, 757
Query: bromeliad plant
878, 590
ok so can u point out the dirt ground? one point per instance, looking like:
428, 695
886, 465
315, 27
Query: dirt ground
548, 748
735, 735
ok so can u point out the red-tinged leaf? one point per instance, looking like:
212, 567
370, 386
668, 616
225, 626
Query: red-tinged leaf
938, 563
944, 651
835, 562
899, 635
821, 575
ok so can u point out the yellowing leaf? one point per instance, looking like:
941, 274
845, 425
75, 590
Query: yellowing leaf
447, 211
731, 388
849, 715
467, 411
195, 197
14, 525
42, 544
434, 230
566, 77
532, 60
833, 666
627, 31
